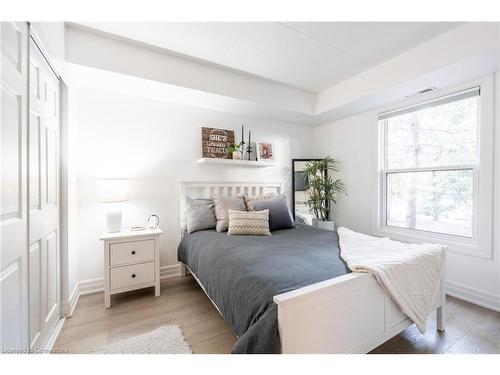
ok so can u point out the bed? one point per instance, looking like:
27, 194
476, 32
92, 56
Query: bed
290, 292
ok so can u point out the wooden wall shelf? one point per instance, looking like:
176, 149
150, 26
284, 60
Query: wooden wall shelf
239, 163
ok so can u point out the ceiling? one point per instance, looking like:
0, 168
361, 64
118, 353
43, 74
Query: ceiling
311, 56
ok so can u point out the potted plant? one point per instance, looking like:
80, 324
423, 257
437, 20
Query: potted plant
322, 190
235, 150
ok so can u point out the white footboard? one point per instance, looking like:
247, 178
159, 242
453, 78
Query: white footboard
347, 314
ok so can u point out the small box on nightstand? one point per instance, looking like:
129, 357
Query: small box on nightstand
131, 261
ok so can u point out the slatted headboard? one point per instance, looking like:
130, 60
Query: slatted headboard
207, 189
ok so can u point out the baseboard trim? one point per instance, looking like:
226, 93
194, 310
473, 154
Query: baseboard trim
169, 271
73, 299
91, 286
67, 307
473, 295
51, 340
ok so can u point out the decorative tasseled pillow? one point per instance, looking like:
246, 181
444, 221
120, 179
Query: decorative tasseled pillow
250, 200
249, 222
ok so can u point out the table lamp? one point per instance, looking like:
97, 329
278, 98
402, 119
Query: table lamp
113, 190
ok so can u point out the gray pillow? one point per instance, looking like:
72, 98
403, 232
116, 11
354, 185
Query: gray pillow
222, 204
280, 216
200, 214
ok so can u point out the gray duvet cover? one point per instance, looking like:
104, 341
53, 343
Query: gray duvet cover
241, 274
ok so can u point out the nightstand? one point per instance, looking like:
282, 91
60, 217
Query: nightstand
131, 261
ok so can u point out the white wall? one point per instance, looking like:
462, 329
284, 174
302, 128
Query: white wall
353, 141
155, 144
350, 141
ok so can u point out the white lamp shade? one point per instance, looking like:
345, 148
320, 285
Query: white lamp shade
113, 190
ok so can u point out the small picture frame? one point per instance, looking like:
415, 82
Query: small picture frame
265, 151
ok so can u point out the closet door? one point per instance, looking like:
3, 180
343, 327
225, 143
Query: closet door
13, 189
43, 199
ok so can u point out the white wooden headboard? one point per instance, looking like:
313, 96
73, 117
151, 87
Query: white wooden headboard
208, 189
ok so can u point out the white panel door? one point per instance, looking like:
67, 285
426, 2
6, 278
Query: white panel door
14, 193
43, 199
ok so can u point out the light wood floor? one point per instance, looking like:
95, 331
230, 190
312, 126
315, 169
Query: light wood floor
469, 329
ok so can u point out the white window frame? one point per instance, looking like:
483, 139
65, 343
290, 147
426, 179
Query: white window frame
480, 245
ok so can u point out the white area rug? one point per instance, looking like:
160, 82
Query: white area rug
164, 340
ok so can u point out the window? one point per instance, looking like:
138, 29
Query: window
430, 165
433, 169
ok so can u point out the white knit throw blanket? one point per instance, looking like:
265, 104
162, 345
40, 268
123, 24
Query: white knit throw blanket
410, 273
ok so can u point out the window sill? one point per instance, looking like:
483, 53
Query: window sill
455, 244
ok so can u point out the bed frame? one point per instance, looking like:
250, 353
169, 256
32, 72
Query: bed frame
347, 314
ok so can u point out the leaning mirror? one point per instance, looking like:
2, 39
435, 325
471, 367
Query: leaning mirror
300, 209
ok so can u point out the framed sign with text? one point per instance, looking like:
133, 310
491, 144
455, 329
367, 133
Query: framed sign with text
214, 142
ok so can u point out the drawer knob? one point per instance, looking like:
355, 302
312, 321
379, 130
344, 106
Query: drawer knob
133, 252
133, 276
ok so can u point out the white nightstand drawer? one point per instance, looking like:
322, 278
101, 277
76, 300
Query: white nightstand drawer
131, 261
131, 252
126, 276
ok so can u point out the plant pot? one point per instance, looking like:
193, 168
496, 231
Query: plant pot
236, 155
328, 225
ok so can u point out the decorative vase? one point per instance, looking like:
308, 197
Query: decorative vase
236, 155
328, 225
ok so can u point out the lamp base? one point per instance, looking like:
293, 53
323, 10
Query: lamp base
114, 221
